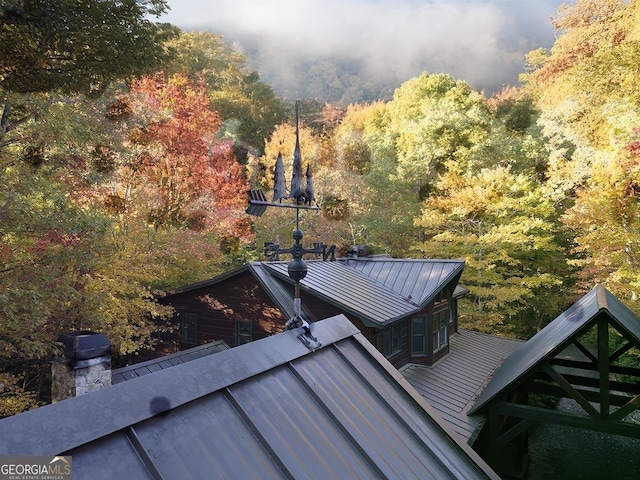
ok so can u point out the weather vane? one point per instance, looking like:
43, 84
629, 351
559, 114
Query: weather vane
300, 197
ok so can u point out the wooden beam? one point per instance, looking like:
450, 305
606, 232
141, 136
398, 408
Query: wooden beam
603, 365
593, 382
621, 351
572, 392
626, 409
621, 369
590, 395
542, 415
587, 353
518, 429
634, 341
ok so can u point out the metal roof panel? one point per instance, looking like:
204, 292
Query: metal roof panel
143, 368
350, 290
417, 279
267, 409
452, 385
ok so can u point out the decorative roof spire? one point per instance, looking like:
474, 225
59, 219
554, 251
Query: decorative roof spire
304, 197
279, 187
297, 189
310, 190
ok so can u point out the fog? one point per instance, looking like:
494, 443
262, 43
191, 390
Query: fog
481, 42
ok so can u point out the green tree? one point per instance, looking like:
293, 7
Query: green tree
501, 224
78, 46
433, 119
381, 205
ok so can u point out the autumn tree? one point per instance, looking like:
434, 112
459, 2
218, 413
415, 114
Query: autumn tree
500, 223
586, 89
606, 222
277, 225
62, 47
589, 77
60, 272
248, 107
188, 178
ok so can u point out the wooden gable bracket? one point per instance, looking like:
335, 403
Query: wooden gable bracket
594, 382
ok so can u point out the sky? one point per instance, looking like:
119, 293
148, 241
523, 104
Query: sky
480, 41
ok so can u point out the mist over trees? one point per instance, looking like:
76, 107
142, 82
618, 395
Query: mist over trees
132, 179
347, 51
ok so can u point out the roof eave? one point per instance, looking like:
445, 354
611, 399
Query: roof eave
454, 276
207, 283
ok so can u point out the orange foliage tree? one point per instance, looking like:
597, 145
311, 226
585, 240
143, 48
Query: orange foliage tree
191, 178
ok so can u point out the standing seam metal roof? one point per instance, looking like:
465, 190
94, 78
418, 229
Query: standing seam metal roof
267, 409
418, 280
144, 368
452, 385
377, 291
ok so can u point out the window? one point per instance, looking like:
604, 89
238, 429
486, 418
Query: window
440, 329
419, 336
243, 332
391, 340
189, 328
453, 305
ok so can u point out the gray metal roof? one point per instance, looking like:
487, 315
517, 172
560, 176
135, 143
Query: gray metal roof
144, 368
416, 279
379, 291
280, 292
452, 385
556, 337
267, 409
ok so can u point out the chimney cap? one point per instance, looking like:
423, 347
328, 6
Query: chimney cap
82, 345
359, 251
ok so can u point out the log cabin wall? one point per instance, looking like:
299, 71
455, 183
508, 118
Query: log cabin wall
237, 311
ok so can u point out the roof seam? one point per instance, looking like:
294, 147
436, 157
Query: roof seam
339, 425
133, 438
253, 428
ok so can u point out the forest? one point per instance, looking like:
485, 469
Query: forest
127, 148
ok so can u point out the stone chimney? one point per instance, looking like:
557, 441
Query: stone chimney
84, 367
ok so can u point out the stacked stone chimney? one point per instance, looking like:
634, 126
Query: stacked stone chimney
84, 367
